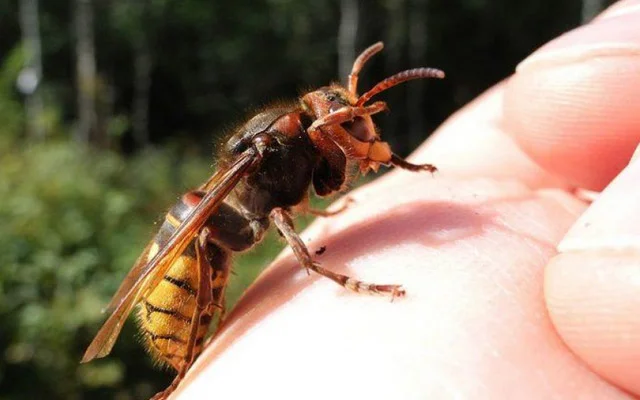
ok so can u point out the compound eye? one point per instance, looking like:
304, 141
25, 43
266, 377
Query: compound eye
335, 102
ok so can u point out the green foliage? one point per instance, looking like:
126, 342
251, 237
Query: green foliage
11, 113
73, 222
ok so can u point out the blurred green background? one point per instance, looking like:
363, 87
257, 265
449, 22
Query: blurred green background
109, 110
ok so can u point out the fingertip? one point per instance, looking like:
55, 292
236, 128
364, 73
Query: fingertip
592, 288
594, 304
620, 8
572, 105
473, 143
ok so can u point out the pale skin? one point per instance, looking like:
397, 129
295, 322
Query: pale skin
516, 285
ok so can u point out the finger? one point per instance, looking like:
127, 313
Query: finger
620, 8
573, 104
470, 255
593, 286
473, 143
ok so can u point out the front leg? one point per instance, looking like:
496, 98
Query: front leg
284, 224
398, 162
352, 146
347, 113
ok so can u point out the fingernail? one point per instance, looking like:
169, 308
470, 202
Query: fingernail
620, 8
604, 37
612, 222
557, 55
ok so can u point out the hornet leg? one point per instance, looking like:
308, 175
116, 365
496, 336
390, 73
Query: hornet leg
401, 163
284, 223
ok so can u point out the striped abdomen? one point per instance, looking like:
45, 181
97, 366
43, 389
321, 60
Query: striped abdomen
165, 314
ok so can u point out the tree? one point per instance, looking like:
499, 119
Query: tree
347, 33
31, 75
85, 72
591, 8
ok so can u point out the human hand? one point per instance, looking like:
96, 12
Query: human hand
492, 310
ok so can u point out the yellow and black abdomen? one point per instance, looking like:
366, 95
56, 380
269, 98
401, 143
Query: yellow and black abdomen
165, 314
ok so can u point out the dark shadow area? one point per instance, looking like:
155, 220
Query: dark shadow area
420, 221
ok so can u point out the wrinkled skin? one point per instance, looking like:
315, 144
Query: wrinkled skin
492, 310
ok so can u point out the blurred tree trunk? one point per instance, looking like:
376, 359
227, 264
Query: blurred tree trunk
394, 39
347, 34
395, 35
85, 72
143, 62
31, 75
591, 8
417, 52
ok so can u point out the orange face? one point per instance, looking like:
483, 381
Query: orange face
355, 135
330, 99
342, 118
